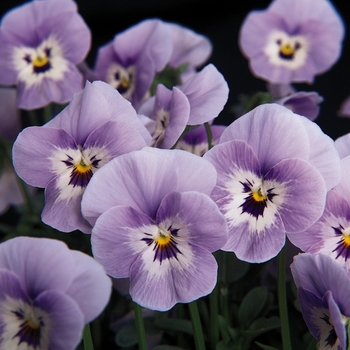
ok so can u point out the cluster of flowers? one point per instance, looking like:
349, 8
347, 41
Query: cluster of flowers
130, 161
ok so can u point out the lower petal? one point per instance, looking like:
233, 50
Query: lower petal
257, 240
160, 286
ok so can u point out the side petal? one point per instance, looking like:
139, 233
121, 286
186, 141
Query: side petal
196, 217
300, 193
118, 238
207, 92
91, 288
66, 321
32, 151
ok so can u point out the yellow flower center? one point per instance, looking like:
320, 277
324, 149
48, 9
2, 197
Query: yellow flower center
163, 239
287, 49
40, 61
258, 196
32, 324
125, 84
82, 167
346, 239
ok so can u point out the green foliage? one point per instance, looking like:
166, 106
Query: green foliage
169, 77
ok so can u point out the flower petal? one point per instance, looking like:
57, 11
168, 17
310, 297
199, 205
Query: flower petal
32, 151
66, 320
91, 287
301, 193
267, 129
160, 286
117, 239
40, 264
196, 216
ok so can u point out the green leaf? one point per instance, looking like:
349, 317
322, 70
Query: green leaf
264, 347
174, 324
169, 77
127, 336
253, 305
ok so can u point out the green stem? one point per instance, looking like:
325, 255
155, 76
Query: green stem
197, 326
187, 129
347, 326
210, 135
87, 339
140, 327
214, 317
282, 300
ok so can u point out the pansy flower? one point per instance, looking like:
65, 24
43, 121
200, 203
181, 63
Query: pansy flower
62, 156
330, 235
323, 292
130, 62
292, 41
47, 294
40, 44
303, 103
274, 169
168, 112
155, 223
198, 100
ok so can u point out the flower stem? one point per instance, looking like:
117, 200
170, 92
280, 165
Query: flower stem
214, 317
140, 327
87, 339
209, 134
282, 299
197, 326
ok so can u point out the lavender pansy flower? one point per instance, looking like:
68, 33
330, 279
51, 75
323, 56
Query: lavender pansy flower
196, 139
302, 103
40, 44
62, 156
292, 41
272, 178
47, 294
168, 111
330, 235
198, 100
130, 62
323, 291
155, 223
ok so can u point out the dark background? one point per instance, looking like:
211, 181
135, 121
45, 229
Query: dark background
220, 21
